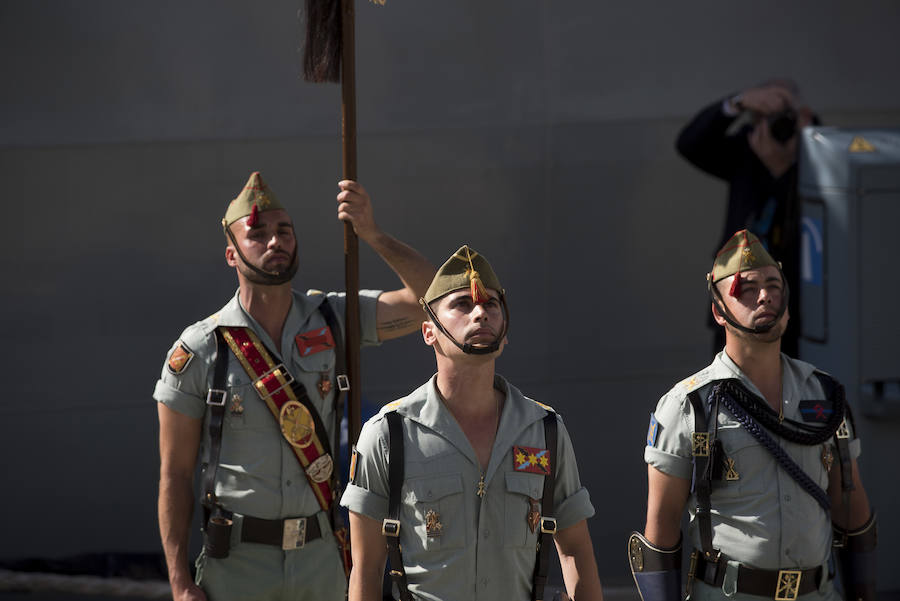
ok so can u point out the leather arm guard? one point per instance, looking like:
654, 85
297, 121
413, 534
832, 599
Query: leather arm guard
856, 557
656, 571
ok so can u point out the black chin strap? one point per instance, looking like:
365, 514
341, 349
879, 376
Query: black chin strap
272, 278
468, 348
717, 300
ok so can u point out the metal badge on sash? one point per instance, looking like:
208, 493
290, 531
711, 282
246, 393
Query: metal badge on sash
531, 460
237, 407
320, 470
297, 425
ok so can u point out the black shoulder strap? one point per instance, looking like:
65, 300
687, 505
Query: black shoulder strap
391, 526
340, 371
701, 446
832, 389
548, 522
215, 399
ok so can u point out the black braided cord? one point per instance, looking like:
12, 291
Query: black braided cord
794, 431
756, 431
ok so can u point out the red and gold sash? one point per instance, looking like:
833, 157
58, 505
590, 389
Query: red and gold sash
273, 384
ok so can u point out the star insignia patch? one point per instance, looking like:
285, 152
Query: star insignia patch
531, 460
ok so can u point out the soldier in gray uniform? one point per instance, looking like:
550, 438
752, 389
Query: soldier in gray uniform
254, 387
463, 479
760, 448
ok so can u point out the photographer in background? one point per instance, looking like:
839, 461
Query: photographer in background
749, 140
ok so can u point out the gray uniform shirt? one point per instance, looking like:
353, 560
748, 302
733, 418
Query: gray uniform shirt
485, 549
764, 519
258, 473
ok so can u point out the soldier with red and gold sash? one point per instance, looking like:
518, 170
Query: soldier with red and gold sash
250, 394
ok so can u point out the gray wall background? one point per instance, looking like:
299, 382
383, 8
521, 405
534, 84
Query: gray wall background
540, 133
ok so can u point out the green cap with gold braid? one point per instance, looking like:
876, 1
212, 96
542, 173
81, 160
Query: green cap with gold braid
466, 269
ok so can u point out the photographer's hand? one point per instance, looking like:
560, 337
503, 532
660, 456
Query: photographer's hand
766, 100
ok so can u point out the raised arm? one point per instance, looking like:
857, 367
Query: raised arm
398, 311
579, 568
369, 554
179, 442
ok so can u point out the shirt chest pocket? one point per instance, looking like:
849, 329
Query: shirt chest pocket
744, 465
438, 513
522, 508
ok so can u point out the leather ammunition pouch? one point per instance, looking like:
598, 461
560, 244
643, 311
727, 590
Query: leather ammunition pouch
856, 557
656, 571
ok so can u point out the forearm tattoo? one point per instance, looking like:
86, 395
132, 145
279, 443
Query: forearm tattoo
401, 323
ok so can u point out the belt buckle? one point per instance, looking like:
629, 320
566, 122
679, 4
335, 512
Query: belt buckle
788, 585
294, 534
264, 392
343, 382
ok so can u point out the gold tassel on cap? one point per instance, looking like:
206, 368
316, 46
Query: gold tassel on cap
476, 287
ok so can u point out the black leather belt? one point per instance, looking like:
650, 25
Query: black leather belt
290, 533
782, 585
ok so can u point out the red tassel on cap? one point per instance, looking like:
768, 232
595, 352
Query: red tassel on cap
735, 290
254, 216
476, 287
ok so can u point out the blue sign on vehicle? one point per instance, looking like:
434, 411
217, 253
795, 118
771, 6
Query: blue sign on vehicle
812, 250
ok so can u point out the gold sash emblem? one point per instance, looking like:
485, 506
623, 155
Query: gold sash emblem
296, 424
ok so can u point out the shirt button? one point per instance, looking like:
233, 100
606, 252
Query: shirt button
787, 497
487, 533
288, 483
484, 581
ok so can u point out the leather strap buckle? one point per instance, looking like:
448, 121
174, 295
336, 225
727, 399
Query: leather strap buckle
294, 534
548, 525
390, 527
343, 382
788, 586
260, 385
216, 397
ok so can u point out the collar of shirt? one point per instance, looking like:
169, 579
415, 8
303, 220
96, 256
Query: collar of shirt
519, 412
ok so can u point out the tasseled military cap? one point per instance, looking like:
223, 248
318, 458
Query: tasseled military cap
253, 199
464, 269
742, 252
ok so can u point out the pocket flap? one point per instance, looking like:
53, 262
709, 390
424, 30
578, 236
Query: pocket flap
531, 485
435, 487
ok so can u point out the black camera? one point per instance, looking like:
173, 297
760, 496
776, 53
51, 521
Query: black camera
783, 125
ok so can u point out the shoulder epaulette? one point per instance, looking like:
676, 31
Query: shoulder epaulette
547, 407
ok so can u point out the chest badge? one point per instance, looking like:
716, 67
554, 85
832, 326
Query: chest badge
314, 341
433, 526
534, 513
827, 457
296, 424
531, 460
324, 385
237, 406
731, 474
